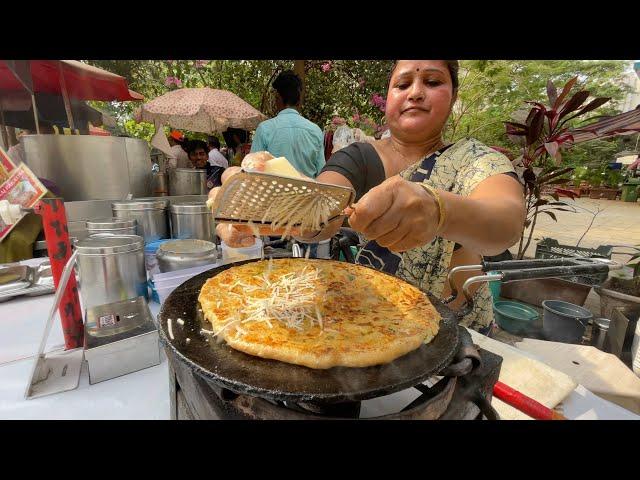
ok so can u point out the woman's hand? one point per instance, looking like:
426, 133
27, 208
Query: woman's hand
397, 214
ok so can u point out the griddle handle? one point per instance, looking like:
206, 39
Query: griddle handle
467, 358
552, 272
521, 264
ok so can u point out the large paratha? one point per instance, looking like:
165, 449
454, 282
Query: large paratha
317, 313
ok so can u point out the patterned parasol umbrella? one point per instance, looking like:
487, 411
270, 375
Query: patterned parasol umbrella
205, 110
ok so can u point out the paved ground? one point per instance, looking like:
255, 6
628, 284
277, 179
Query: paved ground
618, 223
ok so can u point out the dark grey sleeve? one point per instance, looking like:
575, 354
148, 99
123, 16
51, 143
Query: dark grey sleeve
358, 163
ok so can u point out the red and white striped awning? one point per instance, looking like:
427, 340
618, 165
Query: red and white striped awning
625, 123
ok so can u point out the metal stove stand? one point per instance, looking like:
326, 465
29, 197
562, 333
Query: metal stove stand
463, 393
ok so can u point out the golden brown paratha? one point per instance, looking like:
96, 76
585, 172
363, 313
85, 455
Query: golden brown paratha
318, 313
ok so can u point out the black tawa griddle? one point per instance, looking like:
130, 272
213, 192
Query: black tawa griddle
246, 374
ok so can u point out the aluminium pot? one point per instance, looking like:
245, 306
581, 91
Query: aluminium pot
112, 225
191, 220
111, 269
188, 181
186, 253
151, 217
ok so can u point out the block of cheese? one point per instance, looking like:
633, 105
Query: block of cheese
281, 166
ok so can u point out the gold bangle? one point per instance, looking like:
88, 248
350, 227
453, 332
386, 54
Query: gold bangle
442, 215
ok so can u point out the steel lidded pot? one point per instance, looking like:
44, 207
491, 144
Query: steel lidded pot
187, 181
115, 226
111, 268
191, 220
150, 214
187, 253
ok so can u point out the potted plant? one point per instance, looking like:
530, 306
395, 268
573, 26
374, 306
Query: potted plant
541, 136
595, 179
607, 186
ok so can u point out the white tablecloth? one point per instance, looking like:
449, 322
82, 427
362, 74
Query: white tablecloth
139, 395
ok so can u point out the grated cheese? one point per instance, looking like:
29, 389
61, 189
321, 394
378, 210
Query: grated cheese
309, 213
289, 299
170, 329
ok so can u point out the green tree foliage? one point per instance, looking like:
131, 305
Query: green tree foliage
490, 90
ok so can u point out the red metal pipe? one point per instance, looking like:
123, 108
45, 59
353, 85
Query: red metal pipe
54, 222
525, 404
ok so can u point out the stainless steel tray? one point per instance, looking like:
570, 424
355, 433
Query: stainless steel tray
28, 281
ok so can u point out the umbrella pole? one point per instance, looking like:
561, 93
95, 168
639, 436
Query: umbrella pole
5, 137
35, 113
65, 97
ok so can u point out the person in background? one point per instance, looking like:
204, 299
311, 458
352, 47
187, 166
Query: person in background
634, 168
289, 134
178, 141
237, 145
215, 157
199, 158
18, 156
16, 152
240, 150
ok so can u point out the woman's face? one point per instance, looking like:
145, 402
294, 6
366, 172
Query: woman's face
419, 100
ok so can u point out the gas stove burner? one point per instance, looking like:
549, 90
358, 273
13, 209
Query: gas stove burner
212, 380
463, 392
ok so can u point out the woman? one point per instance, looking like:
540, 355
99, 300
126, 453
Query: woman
423, 206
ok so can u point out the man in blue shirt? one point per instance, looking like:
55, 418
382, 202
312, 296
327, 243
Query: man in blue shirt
289, 134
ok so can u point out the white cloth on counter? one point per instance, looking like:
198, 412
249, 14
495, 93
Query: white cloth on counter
526, 374
141, 395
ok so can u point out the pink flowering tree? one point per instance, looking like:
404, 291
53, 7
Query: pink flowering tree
173, 82
360, 86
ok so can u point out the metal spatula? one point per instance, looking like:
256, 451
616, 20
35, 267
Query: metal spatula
249, 197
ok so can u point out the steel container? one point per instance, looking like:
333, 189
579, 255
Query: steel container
181, 254
112, 225
159, 184
187, 181
91, 167
151, 217
191, 220
599, 331
111, 269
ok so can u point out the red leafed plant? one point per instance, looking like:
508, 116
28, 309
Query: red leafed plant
541, 137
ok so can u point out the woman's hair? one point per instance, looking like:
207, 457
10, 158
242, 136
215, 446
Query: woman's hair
289, 86
452, 66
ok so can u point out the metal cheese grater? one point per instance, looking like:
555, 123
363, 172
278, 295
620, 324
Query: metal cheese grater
247, 197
